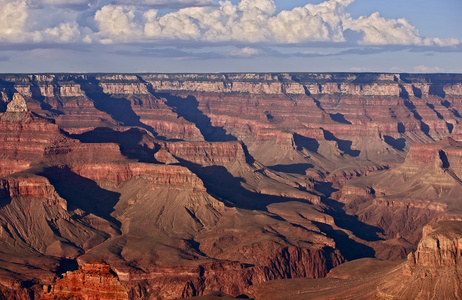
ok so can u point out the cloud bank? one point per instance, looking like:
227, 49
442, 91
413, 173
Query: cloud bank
249, 21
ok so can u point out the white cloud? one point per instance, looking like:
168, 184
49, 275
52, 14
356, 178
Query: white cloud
13, 16
378, 30
15, 19
64, 33
257, 7
227, 22
322, 22
441, 42
248, 21
116, 23
246, 52
255, 21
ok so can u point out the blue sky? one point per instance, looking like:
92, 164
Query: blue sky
423, 36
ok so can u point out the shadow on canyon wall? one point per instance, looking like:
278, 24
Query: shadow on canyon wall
188, 108
120, 109
343, 145
83, 193
130, 142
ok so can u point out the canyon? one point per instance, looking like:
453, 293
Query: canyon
164, 186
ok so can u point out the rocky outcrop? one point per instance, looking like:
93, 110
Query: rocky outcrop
176, 177
351, 84
206, 153
18, 104
232, 278
432, 272
330, 101
91, 281
440, 246
30, 186
434, 266
23, 139
27, 139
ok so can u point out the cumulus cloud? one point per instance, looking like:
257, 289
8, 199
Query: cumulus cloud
255, 21
247, 21
13, 17
116, 23
64, 33
377, 30
322, 22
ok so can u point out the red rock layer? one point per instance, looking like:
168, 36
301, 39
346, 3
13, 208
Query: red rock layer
156, 222
440, 246
232, 278
90, 282
164, 175
30, 186
206, 153
310, 100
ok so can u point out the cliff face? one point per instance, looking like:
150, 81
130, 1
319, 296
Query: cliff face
231, 278
352, 84
91, 281
234, 102
440, 246
434, 266
433, 271
189, 183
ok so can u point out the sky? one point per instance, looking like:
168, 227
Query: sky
203, 36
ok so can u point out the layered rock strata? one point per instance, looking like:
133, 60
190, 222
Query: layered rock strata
91, 281
191, 183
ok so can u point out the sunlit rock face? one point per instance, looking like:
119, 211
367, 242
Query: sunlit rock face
91, 281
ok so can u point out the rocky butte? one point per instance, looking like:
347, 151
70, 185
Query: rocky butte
165, 186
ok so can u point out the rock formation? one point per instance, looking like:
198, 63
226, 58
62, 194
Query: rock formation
432, 272
91, 281
18, 104
185, 184
401, 201
440, 246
